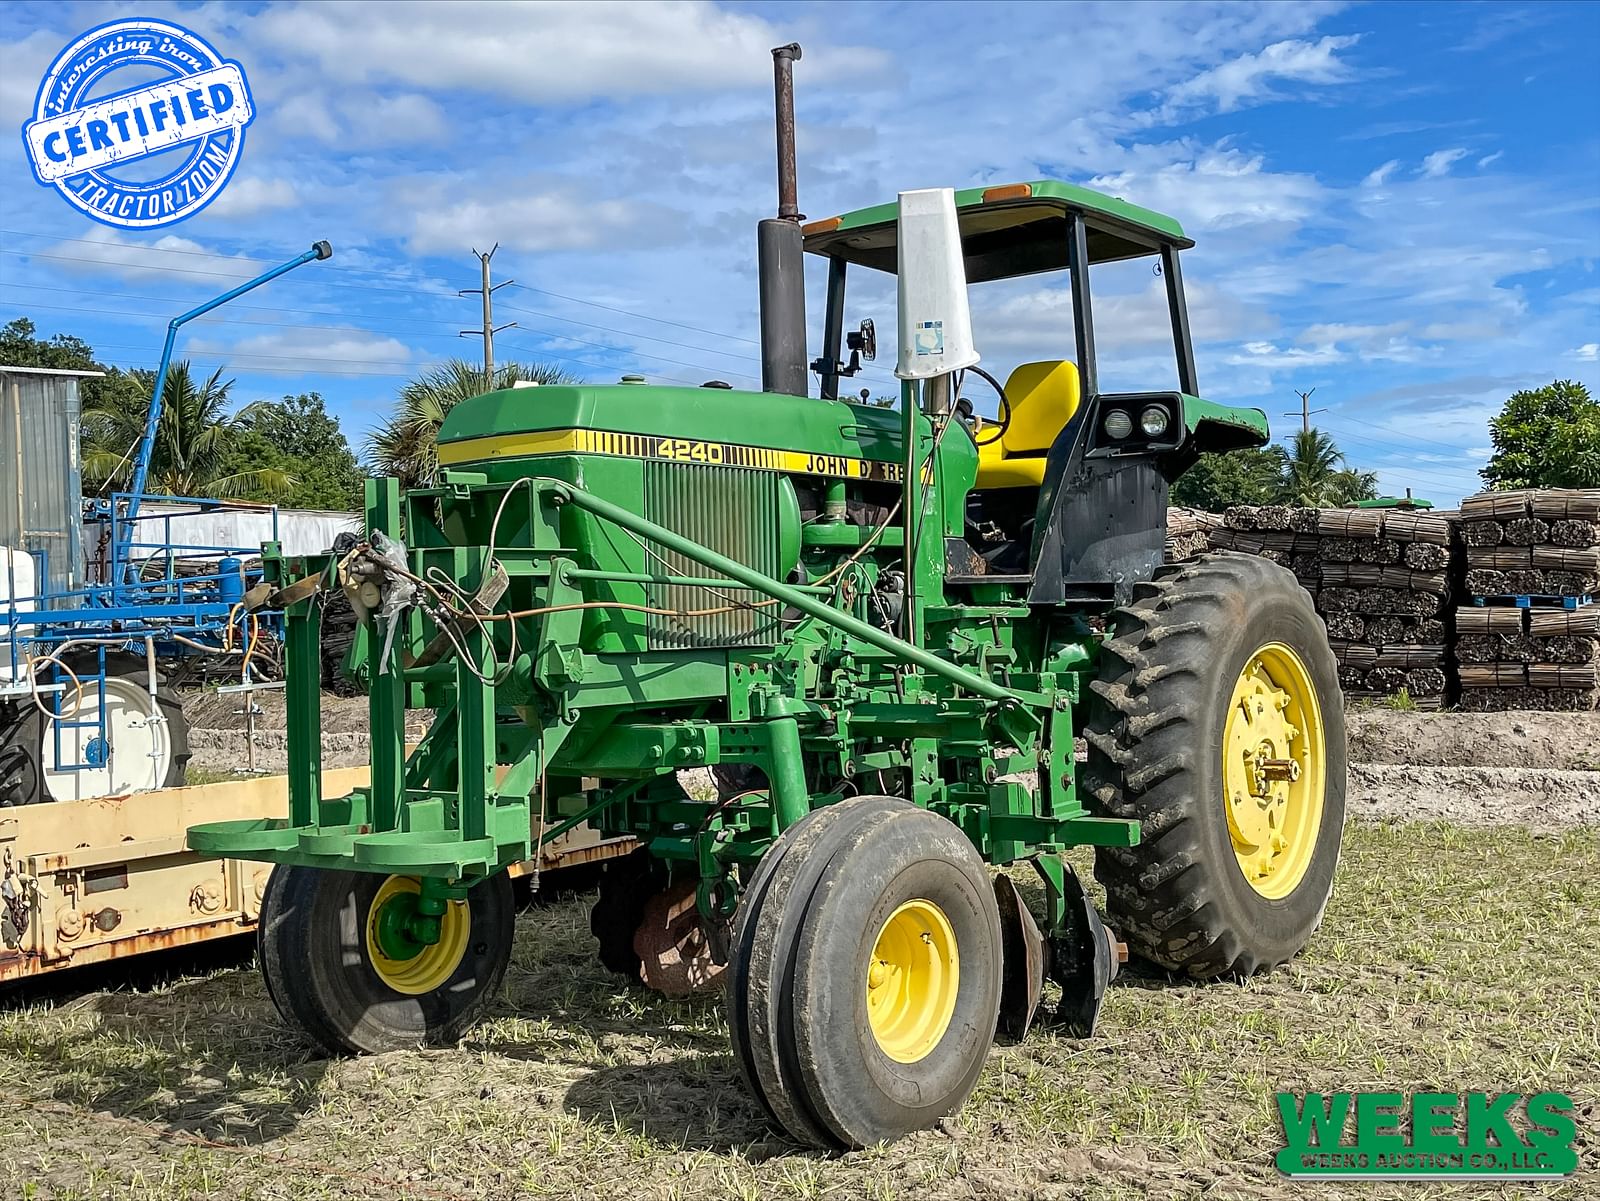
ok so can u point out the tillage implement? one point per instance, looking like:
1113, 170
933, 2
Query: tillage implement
828, 662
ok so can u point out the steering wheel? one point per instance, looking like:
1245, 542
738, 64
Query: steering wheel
1003, 423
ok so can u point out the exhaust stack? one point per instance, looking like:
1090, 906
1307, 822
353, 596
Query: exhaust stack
780, 252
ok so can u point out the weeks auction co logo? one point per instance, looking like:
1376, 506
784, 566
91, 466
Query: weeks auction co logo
1428, 1136
139, 123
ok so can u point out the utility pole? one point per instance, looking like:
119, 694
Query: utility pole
490, 329
1306, 410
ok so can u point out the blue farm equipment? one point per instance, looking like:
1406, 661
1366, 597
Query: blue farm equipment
84, 708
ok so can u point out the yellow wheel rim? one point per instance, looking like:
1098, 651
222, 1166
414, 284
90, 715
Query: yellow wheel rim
414, 968
1273, 770
912, 981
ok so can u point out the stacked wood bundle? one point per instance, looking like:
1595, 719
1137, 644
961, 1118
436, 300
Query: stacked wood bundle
1379, 577
1532, 544
1188, 533
1527, 635
1515, 658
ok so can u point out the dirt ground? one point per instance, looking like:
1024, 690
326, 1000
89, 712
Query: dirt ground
1561, 741
1455, 955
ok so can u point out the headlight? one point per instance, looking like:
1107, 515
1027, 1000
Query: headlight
1117, 424
1154, 421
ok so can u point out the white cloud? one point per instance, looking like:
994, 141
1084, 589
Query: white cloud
1439, 162
1376, 177
103, 250
304, 350
22, 65
552, 51
252, 194
407, 119
1219, 188
1589, 352
1489, 159
1269, 355
530, 215
310, 114
1251, 76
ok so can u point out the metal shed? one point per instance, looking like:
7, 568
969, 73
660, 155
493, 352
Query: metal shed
41, 489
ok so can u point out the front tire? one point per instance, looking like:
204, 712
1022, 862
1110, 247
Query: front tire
1217, 722
326, 971
864, 982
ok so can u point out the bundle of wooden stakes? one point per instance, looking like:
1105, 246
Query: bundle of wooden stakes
1189, 533
1527, 628
1379, 577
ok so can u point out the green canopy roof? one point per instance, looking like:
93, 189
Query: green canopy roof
1007, 230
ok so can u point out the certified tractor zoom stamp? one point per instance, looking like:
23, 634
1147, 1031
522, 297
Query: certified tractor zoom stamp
139, 123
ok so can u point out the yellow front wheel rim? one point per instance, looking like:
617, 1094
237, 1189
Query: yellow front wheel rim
912, 981
419, 968
1274, 758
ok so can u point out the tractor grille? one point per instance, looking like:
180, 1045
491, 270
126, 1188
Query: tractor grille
731, 510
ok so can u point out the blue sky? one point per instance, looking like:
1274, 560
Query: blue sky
1395, 204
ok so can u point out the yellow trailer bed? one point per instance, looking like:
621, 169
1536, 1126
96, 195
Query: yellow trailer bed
88, 881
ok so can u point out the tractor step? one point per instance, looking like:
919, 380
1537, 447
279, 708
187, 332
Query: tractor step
1536, 601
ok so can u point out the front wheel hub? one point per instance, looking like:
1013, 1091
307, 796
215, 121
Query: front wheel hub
912, 981
415, 943
1273, 756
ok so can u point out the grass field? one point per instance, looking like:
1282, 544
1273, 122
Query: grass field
1449, 958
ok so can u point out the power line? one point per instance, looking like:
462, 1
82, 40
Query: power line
1435, 476
699, 329
400, 276
100, 262
152, 319
553, 334
404, 292
1392, 441
175, 300
1395, 433
128, 362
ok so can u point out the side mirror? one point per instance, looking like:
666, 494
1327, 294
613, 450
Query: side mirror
864, 341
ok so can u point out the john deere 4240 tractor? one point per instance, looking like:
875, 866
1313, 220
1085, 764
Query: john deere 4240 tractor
883, 632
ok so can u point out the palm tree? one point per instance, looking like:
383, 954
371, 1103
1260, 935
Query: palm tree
1351, 485
406, 445
193, 438
1307, 467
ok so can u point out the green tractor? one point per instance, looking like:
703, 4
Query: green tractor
880, 634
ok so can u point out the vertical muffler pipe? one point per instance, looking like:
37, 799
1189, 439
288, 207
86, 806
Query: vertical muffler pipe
780, 252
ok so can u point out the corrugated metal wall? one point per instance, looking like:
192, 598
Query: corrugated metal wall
40, 489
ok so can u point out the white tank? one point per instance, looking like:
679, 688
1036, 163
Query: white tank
19, 586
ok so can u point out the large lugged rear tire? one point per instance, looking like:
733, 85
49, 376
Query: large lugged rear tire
864, 979
1217, 722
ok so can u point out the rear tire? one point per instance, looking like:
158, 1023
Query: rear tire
1202, 893
864, 982
626, 886
317, 958
21, 774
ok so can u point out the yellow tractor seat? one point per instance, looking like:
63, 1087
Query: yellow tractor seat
1043, 398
